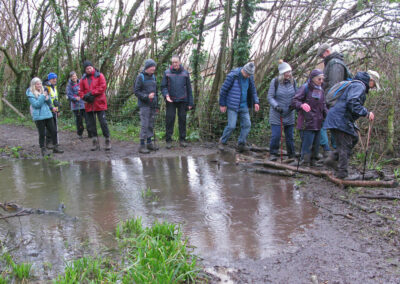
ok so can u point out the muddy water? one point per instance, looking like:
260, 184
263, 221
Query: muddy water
227, 213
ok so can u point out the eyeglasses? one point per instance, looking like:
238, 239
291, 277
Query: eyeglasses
319, 79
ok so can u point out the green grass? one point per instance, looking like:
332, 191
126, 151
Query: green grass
21, 271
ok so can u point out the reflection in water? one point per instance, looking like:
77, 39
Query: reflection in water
227, 213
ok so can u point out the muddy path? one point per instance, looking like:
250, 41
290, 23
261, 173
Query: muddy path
352, 239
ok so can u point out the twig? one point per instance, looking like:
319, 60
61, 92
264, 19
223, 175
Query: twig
363, 208
387, 197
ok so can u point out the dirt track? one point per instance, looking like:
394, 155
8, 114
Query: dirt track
344, 244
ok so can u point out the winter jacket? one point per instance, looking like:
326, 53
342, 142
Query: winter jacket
72, 94
349, 106
334, 70
144, 85
315, 98
231, 91
96, 84
176, 84
52, 92
40, 107
281, 97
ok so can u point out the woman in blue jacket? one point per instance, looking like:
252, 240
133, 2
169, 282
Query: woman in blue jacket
42, 115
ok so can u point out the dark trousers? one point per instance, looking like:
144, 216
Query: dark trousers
147, 116
170, 120
42, 126
80, 115
91, 123
344, 146
48, 135
276, 139
310, 143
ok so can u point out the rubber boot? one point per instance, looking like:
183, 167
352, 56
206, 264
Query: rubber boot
108, 144
57, 149
143, 149
95, 144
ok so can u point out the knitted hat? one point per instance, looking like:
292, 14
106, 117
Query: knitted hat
86, 64
149, 63
249, 68
322, 48
283, 67
374, 76
51, 76
315, 73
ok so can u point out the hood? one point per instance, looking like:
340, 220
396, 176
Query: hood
363, 77
95, 74
335, 54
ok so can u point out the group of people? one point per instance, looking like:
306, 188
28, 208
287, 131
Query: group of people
238, 95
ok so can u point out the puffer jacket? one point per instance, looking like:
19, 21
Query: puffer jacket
349, 106
282, 98
96, 84
144, 85
334, 70
40, 107
176, 84
231, 91
73, 94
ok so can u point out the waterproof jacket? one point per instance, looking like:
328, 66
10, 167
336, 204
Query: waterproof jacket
144, 85
52, 92
40, 107
73, 94
313, 119
231, 91
96, 84
349, 106
334, 70
176, 84
281, 97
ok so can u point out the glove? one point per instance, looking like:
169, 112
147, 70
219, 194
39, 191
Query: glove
279, 109
305, 107
88, 97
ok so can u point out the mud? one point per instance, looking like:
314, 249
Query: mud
344, 244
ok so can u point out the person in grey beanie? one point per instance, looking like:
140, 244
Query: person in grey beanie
238, 94
280, 95
146, 92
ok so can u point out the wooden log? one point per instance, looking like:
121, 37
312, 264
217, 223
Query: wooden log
285, 173
12, 107
326, 174
384, 197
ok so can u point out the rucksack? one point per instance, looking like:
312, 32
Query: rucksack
336, 92
277, 84
347, 76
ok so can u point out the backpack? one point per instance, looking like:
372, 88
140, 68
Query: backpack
336, 92
276, 82
347, 76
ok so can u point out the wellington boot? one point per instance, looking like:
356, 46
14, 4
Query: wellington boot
95, 144
143, 149
108, 144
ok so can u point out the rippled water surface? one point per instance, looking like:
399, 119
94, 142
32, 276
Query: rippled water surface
226, 212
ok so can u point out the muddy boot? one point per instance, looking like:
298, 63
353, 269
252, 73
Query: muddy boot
331, 160
95, 144
168, 145
57, 149
152, 147
306, 160
221, 146
143, 149
49, 145
43, 151
242, 148
108, 144
273, 157
183, 143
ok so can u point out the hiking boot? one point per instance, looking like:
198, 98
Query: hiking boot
306, 161
242, 147
57, 149
43, 151
151, 147
273, 157
49, 145
183, 143
331, 160
80, 137
168, 145
326, 154
95, 144
221, 146
341, 175
108, 144
143, 149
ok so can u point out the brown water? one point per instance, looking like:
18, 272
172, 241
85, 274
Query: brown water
227, 213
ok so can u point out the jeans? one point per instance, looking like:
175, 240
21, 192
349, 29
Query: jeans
276, 137
325, 140
91, 123
171, 109
245, 125
46, 126
310, 143
80, 114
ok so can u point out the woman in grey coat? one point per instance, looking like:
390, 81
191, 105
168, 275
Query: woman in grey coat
280, 94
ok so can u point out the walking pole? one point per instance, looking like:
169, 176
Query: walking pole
366, 148
281, 138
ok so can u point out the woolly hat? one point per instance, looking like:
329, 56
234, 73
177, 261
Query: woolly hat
51, 76
315, 73
374, 76
283, 67
86, 64
149, 63
249, 68
322, 48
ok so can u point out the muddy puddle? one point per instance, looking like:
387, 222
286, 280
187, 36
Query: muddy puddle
227, 213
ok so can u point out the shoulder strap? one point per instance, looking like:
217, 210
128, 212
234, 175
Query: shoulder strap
276, 83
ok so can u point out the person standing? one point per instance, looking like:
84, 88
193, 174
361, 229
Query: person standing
309, 100
77, 104
92, 89
146, 92
177, 91
342, 116
50, 89
238, 93
280, 94
42, 115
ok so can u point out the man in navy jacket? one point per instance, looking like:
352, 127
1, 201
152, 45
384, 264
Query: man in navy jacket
237, 95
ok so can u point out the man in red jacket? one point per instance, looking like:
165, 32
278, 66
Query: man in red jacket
92, 89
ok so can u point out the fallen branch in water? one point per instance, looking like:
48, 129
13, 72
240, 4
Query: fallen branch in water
325, 174
21, 211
